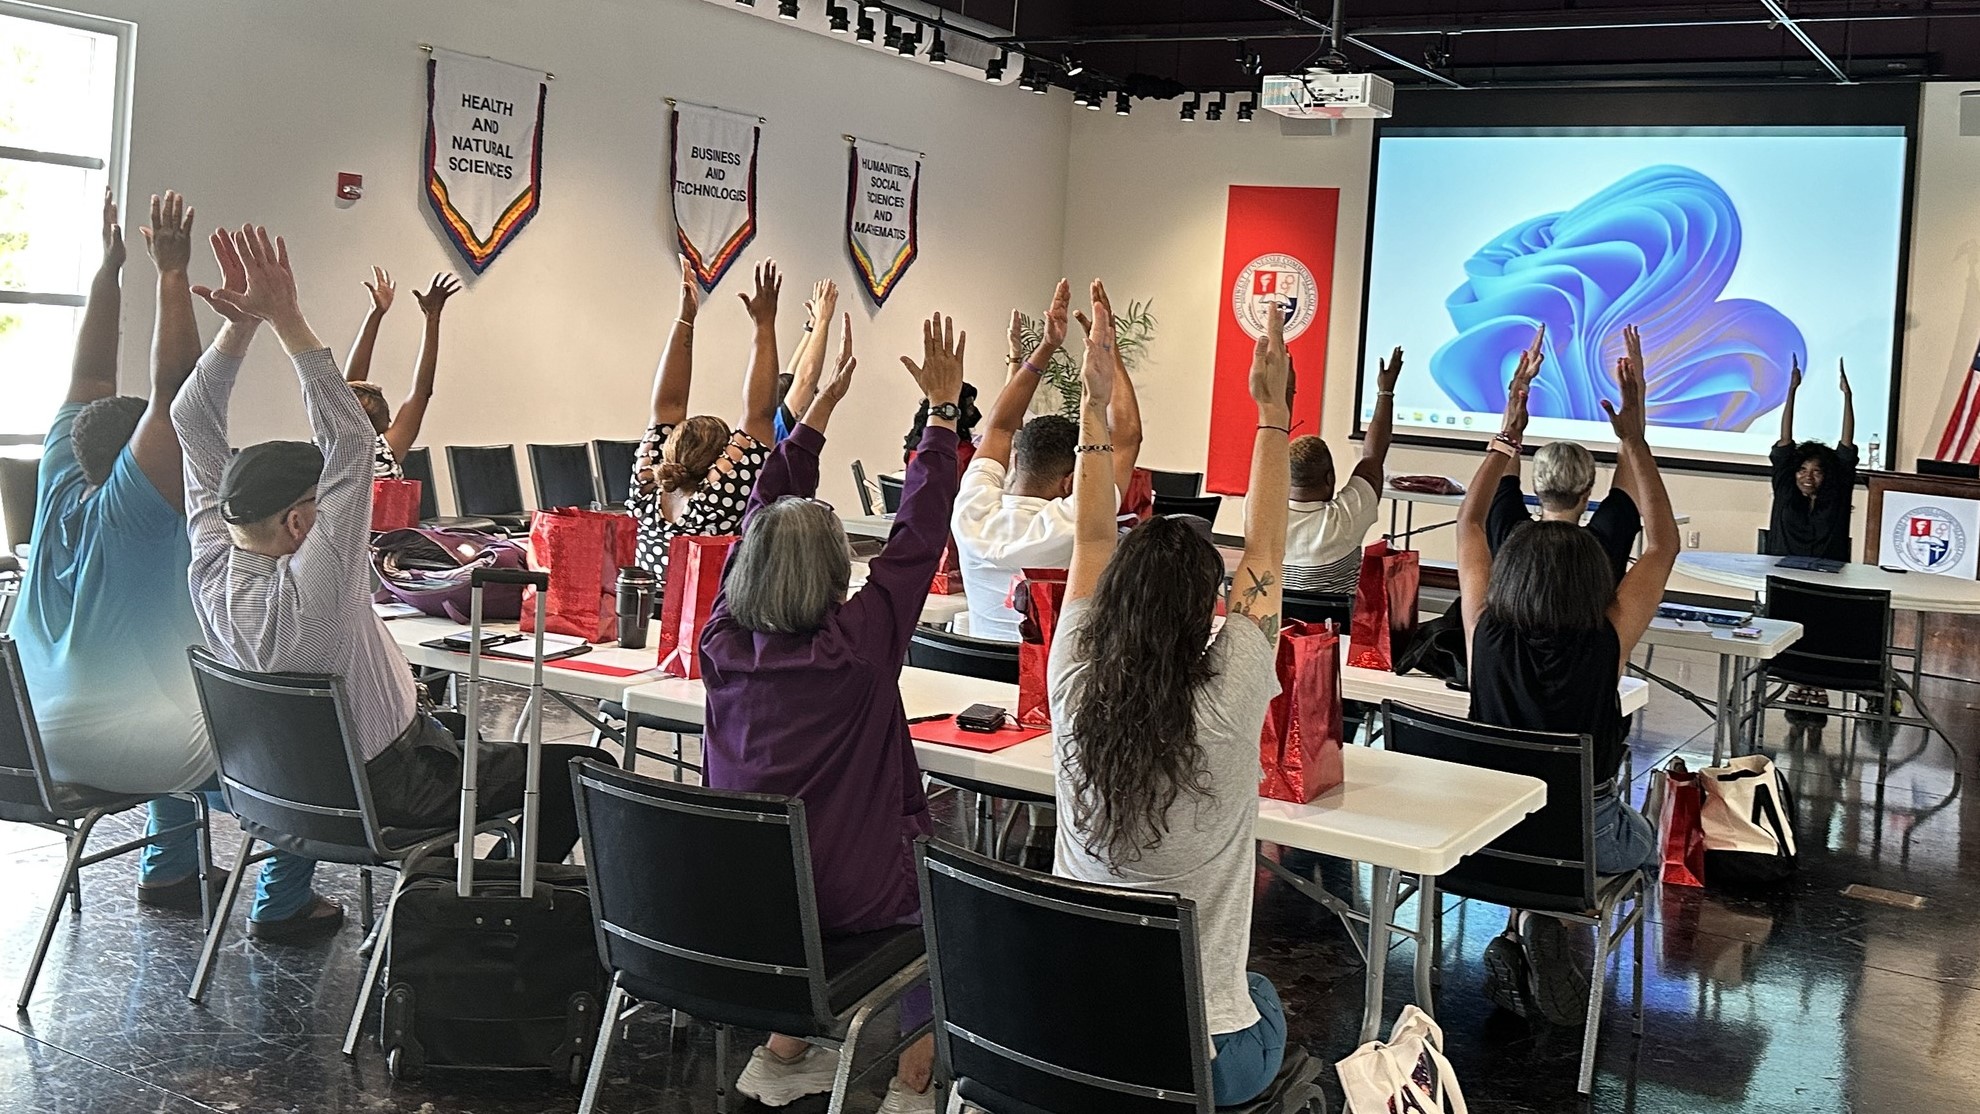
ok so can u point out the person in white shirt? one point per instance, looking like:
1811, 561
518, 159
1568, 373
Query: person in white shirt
1016, 510
1327, 526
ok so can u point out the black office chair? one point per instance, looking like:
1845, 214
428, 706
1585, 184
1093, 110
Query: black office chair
418, 465
20, 487
562, 475
295, 779
486, 484
991, 660
864, 487
1062, 996
1204, 507
28, 795
1319, 607
728, 934
615, 469
1177, 485
1546, 863
1845, 633
890, 492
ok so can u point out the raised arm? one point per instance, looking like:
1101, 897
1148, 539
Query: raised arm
808, 362
1123, 407
199, 414
676, 371
357, 366
1642, 589
1849, 408
759, 417
174, 345
403, 433
1006, 415
1257, 586
93, 374
1474, 546
1094, 529
1381, 428
1787, 411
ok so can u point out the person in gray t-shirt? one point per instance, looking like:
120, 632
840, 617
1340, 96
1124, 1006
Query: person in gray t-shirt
1156, 751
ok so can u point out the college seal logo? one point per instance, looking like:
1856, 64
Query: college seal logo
1928, 540
1272, 279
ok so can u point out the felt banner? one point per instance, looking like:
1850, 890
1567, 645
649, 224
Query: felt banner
484, 150
883, 190
1278, 248
714, 186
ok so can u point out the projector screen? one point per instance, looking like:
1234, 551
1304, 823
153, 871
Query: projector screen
1736, 250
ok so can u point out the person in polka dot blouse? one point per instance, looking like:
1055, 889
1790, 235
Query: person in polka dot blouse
693, 475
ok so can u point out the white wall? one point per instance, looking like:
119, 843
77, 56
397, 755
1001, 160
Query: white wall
251, 108
1145, 208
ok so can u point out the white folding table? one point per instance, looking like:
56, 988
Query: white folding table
1402, 505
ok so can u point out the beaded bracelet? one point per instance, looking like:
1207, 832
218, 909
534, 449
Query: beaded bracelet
1093, 448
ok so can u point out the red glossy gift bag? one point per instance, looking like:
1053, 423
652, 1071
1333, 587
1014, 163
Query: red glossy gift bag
1300, 749
694, 578
1038, 596
1384, 606
583, 552
394, 505
1681, 826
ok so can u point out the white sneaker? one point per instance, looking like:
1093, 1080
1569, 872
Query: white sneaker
774, 1082
901, 1100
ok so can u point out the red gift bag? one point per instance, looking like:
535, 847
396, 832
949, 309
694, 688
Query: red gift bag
1300, 749
948, 575
394, 505
583, 552
1037, 596
1139, 499
694, 578
1384, 606
1681, 826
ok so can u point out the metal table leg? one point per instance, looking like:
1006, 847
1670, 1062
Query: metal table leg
1382, 914
1426, 944
1731, 709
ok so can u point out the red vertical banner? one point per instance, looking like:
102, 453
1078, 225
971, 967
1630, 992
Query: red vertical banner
1278, 247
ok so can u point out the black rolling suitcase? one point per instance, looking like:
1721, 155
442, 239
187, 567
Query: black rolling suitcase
494, 965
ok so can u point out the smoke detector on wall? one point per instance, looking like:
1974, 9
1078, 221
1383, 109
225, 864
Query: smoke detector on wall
1329, 96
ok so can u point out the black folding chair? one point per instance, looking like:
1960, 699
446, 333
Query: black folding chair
486, 483
1319, 607
891, 487
864, 487
615, 469
1204, 507
1065, 997
20, 494
1546, 863
728, 934
28, 795
418, 465
294, 777
1183, 485
562, 475
991, 660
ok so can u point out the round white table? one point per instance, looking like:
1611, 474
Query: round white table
1912, 591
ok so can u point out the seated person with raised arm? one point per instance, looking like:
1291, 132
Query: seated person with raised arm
693, 475
104, 617
1017, 509
1550, 633
1156, 752
804, 695
397, 432
798, 384
1327, 526
281, 570
1814, 485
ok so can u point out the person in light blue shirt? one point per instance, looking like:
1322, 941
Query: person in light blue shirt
105, 614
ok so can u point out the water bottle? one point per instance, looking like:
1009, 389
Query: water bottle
635, 606
1876, 458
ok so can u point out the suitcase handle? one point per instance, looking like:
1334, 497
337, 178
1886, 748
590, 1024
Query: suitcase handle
528, 577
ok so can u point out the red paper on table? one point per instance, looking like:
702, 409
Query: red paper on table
1299, 750
394, 505
583, 552
579, 665
1683, 827
1037, 596
1278, 247
945, 732
1139, 499
1384, 606
694, 578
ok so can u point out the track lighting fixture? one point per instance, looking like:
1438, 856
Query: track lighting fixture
1121, 105
993, 70
866, 32
837, 19
1189, 108
938, 51
787, 9
1246, 109
910, 43
1074, 67
1216, 110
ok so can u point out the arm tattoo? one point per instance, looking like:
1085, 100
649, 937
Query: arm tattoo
1259, 585
1247, 600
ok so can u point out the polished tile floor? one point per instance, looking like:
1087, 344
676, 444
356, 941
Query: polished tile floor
1802, 1000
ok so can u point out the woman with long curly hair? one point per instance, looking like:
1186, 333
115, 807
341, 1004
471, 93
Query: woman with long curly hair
1157, 751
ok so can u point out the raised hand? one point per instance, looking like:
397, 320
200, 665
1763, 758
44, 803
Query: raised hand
1633, 349
271, 285
690, 292
1271, 368
233, 280
1530, 362
940, 372
1055, 315
113, 233
833, 386
1097, 371
762, 305
823, 303
382, 289
1843, 371
1016, 339
1794, 374
1387, 373
1629, 422
169, 237
434, 298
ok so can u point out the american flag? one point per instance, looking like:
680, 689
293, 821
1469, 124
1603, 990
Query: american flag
1961, 440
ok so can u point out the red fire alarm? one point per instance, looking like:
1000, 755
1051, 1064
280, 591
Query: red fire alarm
350, 187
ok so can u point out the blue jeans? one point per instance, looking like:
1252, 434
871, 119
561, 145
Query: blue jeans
1624, 840
281, 891
1248, 1060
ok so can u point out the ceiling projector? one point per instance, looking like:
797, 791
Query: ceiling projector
1329, 96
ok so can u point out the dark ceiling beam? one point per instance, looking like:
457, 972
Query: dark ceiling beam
1645, 21
1801, 35
1404, 63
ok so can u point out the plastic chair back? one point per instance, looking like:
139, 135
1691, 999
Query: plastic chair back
1179, 485
1204, 507
1843, 635
988, 658
418, 465
615, 469
20, 495
486, 481
562, 475
1318, 607
891, 488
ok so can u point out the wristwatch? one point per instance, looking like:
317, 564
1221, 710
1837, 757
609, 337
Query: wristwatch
947, 412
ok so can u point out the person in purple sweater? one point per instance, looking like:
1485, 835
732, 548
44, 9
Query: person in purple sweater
804, 693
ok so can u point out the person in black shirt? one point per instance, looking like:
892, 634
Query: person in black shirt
1550, 631
1563, 478
1813, 485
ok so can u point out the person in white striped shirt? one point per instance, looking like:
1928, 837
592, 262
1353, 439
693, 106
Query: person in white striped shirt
1326, 526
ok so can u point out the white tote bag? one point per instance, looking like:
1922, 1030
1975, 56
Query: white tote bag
1406, 1075
1748, 818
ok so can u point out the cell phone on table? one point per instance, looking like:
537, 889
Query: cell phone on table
982, 718
1893, 568
1752, 633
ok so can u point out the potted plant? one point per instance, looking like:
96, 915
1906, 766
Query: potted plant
1134, 327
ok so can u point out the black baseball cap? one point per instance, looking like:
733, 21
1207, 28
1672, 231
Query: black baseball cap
266, 479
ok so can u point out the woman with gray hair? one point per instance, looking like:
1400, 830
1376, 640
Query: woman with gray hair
804, 694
